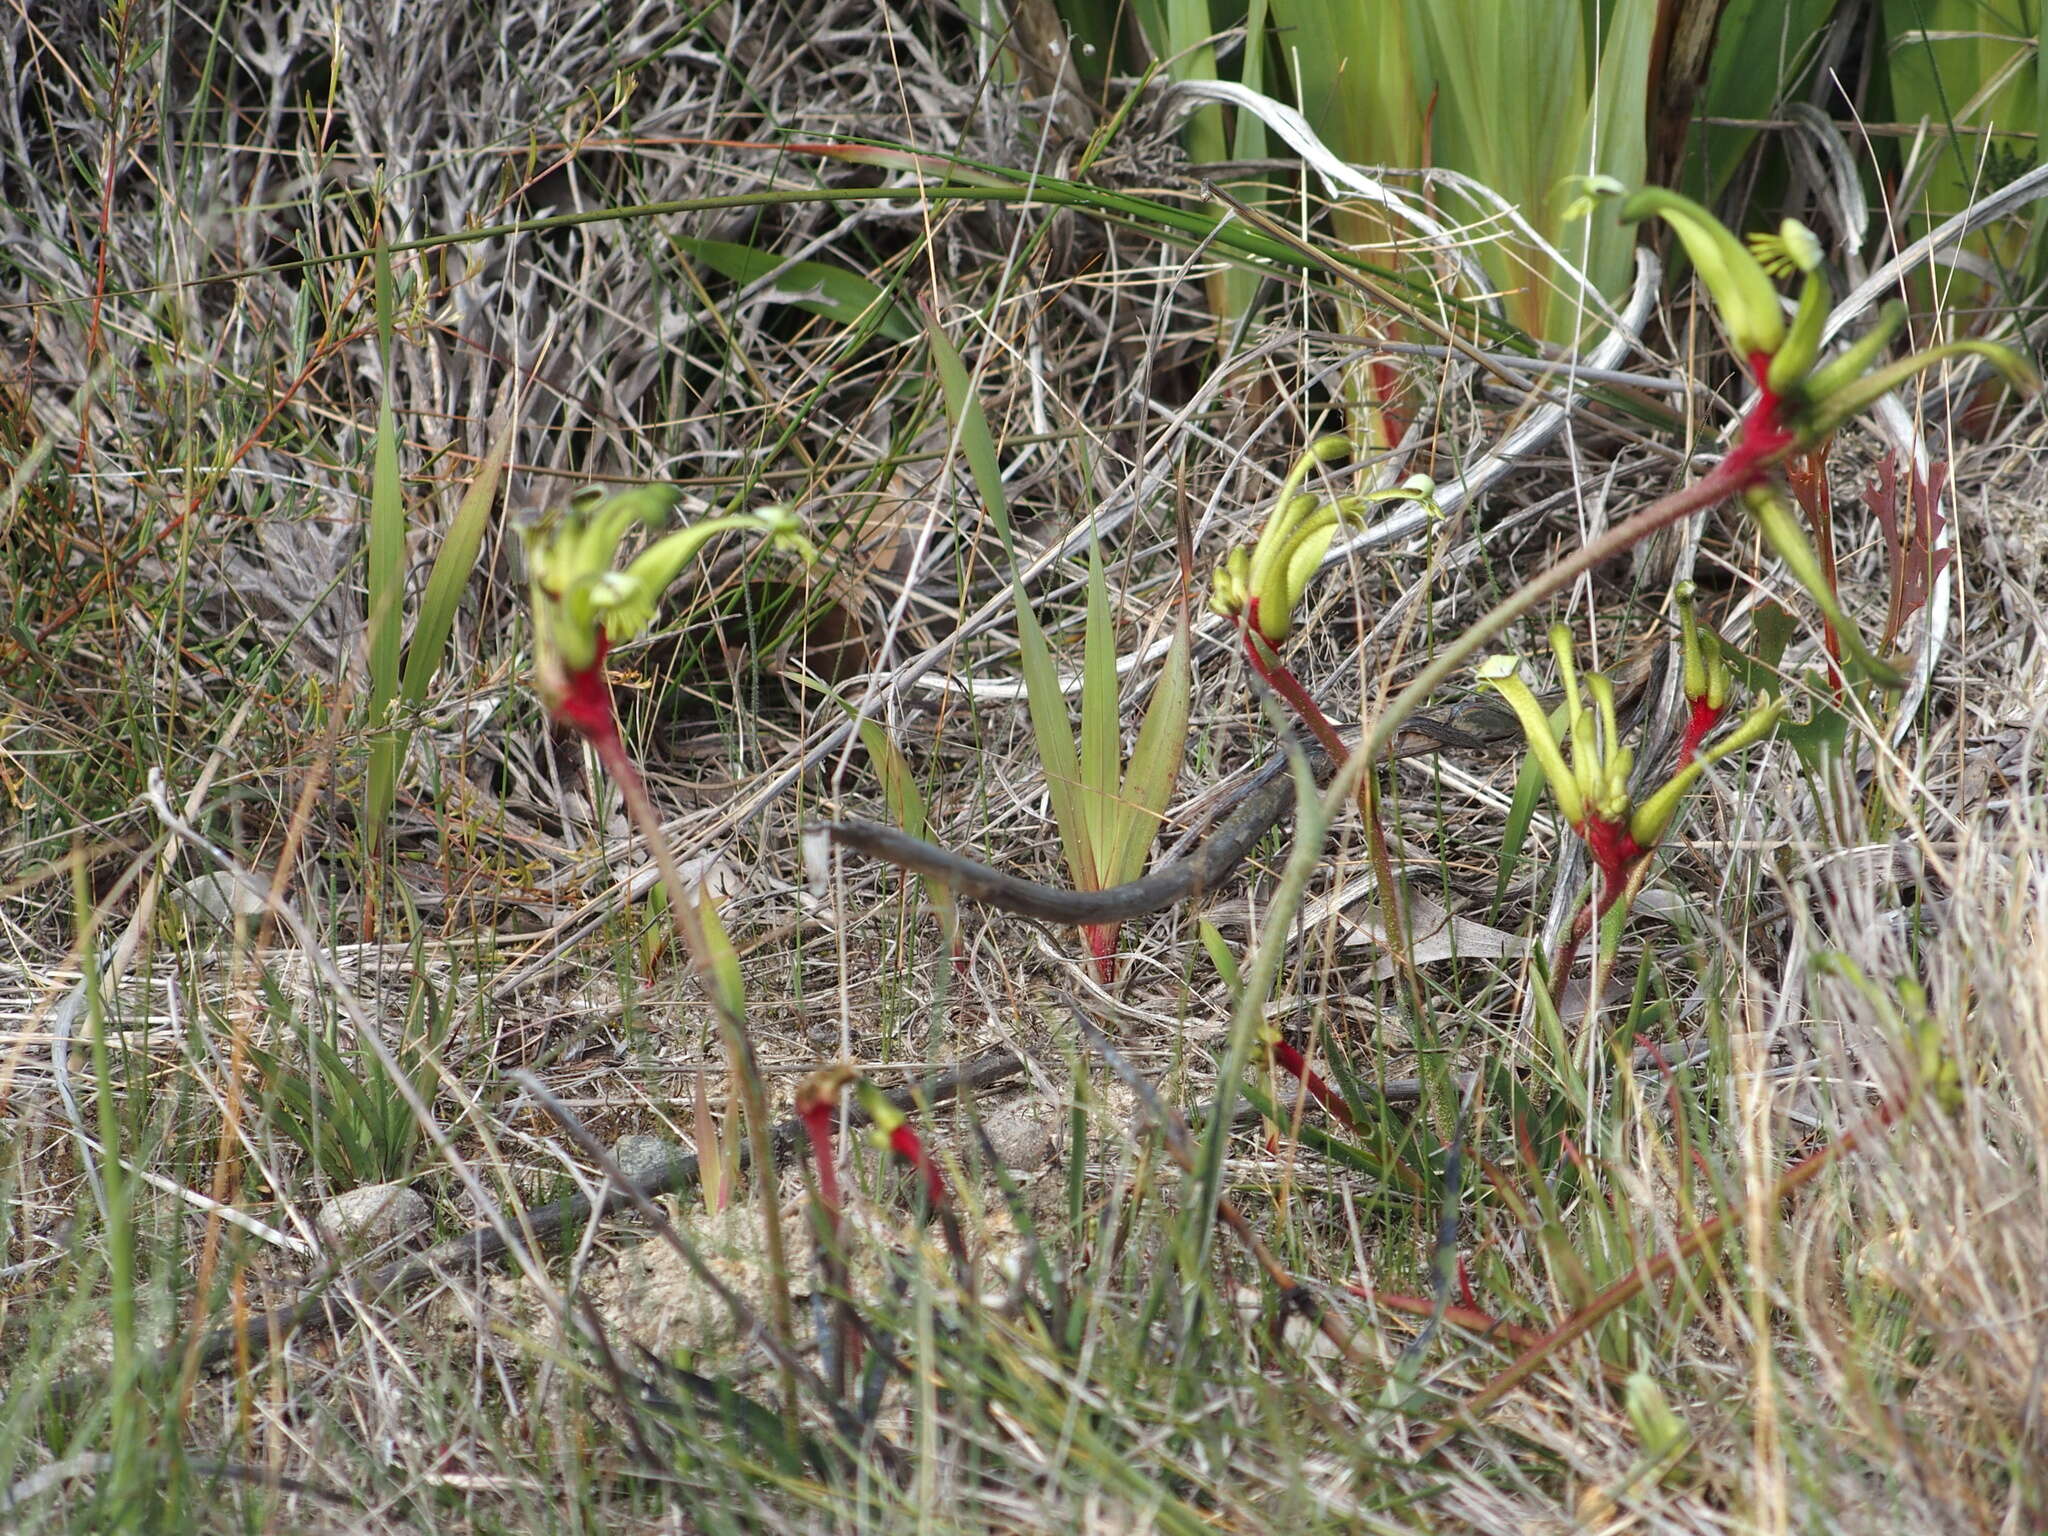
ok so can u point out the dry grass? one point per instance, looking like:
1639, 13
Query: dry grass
187, 472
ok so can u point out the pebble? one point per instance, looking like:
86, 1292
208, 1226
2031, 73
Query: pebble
371, 1216
1025, 1134
639, 1155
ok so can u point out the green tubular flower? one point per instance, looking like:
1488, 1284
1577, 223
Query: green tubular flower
1856, 359
1231, 584
1653, 818
582, 605
1743, 294
1706, 676
1795, 248
1779, 525
1273, 576
1836, 394
1502, 674
1563, 650
569, 553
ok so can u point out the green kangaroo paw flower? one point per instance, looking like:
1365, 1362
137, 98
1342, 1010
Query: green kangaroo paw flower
1276, 541
1312, 542
1653, 818
1779, 525
1231, 584
627, 604
1801, 350
1856, 359
1743, 294
1502, 674
1829, 409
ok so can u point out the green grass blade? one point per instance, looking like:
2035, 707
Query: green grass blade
1048, 705
822, 287
905, 801
1055, 736
1221, 957
1156, 758
453, 567
385, 572
970, 427
1529, 786
1614, 142
727, 982
1101, 725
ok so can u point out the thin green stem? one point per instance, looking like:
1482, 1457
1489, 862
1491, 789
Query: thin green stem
1732, 475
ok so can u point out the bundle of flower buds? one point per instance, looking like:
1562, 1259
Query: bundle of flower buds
1588, 767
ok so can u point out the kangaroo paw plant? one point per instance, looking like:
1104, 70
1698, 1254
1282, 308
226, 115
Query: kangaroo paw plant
1588, 767
583, 604
1261, 587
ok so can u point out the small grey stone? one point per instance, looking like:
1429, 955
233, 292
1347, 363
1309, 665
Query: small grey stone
639, 1155
1024, 1134
217, 897
371, 1216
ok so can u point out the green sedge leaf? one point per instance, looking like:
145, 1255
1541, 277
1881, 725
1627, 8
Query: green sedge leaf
1156, 758
838, 293
1054, 734
384, 556
453, 567
1221, 957
1101, 723
727, 983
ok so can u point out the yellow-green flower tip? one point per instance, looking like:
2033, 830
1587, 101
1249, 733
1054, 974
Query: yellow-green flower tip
1794, 248
1498, 668
1743, 294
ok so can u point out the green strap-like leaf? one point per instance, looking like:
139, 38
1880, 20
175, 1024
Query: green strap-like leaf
1156, 759
1101, 725
821, 287
385, 570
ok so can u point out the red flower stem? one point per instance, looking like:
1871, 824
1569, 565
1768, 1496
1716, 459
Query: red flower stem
818, 1121
1666, 1262
818, 1130
1699, 726
906, 1144
1755, 451
1470, 1318
1587, 915
1293, 1062
604, 739
1282, 681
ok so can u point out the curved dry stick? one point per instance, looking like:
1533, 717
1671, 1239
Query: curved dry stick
1212, 863
1204, 870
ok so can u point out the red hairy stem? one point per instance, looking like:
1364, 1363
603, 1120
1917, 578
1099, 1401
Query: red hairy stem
585, 690
818, 1121
817, 1110
1291, 1061
1101, 941
906, 1144
1658, 1267
1698, 726
585, 700
1281, 679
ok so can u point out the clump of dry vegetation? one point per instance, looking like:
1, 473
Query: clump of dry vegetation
606, 240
